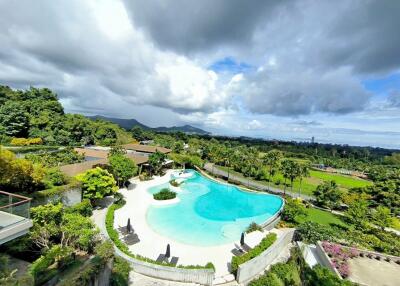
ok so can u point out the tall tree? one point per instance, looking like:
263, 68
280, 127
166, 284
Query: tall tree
357, 213
122, 168
14, 119
156, 161
272, 159
304, 172
290, 170
328, 195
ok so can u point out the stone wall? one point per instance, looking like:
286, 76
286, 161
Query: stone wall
252, 268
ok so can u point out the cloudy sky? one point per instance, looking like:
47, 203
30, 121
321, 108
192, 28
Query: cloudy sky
271, 69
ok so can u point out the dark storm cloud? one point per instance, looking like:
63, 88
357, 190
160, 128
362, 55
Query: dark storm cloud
366, 36
305, 56
192, 25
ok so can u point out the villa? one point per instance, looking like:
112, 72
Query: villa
95, 157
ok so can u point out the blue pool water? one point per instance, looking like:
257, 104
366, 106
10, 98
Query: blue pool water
210, 213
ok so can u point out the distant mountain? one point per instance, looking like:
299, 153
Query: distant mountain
185, 128
130, 123
124, 123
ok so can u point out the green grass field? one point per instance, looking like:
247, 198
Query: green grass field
342, 180
321, 217
310, 184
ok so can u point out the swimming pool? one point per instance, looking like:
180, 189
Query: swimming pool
210, 213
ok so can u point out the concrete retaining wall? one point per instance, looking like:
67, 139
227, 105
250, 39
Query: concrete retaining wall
325, 260
200, 276
252, 268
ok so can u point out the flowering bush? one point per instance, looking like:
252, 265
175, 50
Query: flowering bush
339, 256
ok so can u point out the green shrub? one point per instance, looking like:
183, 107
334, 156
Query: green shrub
26, 141
174, 183
164, 194
120, 272
253, 227
270, 279
54, 177
105, 250
263, 245
61, 255
84, 208
323, 276
112, 233
293, 209
57, 190
312, 232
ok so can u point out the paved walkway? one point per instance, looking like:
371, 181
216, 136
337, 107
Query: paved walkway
372, 272
251, 183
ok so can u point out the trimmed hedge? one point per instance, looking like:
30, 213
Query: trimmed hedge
57, 189
263, 245
164, 194
114, 236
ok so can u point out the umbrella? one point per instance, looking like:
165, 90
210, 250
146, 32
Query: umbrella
168, 252
128, 226
242, 239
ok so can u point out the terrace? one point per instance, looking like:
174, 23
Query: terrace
14, 216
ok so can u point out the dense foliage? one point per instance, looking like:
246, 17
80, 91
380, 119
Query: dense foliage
164, 194
97, 183
19, 175
293, 209
37, 113
122, 168
156, 161
370, 238
297, 273
120, 272
56, 158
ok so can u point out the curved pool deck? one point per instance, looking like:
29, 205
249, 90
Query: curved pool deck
153, 243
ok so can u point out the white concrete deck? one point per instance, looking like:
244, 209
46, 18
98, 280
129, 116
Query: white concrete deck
153, 244
12, 226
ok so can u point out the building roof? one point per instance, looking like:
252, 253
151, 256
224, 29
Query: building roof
78, 168
146, 148
101, 154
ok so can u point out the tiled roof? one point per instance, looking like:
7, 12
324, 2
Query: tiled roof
78, 168
146, 148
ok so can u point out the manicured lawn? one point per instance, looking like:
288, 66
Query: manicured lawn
321, 217
342, 180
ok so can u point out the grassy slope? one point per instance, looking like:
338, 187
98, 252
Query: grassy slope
322, 217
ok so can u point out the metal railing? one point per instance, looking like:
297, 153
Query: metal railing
15, 204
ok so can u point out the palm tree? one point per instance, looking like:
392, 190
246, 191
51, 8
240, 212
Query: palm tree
290, 170
272, 159
304, 172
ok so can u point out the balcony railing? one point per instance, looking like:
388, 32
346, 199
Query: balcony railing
13, 209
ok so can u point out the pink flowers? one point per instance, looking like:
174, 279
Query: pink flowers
339, 256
